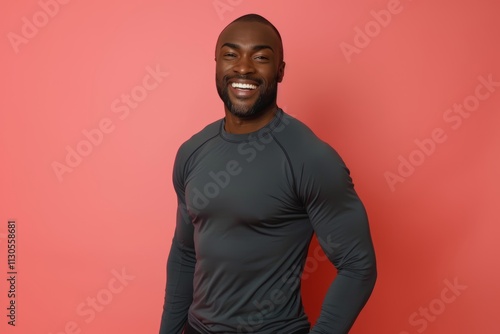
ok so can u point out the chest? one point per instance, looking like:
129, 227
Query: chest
221, 182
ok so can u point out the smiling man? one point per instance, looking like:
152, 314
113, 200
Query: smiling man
252, 189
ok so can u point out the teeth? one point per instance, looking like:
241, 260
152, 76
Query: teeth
243, 86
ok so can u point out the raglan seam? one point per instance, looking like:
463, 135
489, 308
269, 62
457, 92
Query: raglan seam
184, 172
294, 182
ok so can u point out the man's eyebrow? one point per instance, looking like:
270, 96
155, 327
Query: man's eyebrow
254, 48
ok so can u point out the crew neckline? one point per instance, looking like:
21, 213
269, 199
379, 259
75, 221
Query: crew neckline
272, 124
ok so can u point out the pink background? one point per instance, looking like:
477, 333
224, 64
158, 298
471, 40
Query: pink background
433, 225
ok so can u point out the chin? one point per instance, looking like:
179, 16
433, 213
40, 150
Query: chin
242, 110
242, 113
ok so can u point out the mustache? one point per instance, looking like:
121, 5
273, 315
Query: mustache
242, 77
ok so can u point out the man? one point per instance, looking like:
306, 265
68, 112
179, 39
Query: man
252, 189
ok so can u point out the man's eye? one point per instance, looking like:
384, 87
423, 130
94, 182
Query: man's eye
262, 58
229, 55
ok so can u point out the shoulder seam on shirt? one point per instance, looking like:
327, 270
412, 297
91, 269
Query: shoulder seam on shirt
294, 185
196, 149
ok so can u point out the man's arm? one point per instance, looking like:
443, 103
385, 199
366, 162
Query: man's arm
180, 265
341, 225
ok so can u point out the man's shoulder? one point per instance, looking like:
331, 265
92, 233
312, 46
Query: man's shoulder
299, 138
209, 131
197, 140
304, 147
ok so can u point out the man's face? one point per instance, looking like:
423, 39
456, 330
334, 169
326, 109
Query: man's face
248, 68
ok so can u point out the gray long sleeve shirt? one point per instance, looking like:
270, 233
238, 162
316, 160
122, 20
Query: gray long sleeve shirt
248, 205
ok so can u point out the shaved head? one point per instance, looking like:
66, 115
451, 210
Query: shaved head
260, 19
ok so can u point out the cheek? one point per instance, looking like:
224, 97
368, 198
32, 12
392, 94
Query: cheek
219, 78
270, 75
221, 73
220, 69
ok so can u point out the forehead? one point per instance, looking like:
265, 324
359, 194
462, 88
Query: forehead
249, 33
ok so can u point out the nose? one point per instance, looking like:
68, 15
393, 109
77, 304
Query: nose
244, 65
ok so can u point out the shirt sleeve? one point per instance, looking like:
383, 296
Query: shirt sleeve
180, 265
340, 222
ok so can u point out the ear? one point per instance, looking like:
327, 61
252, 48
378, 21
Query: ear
281, 71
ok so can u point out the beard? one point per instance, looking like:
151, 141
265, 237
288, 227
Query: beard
267, 97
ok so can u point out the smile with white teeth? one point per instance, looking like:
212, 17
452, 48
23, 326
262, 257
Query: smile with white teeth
243, 86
